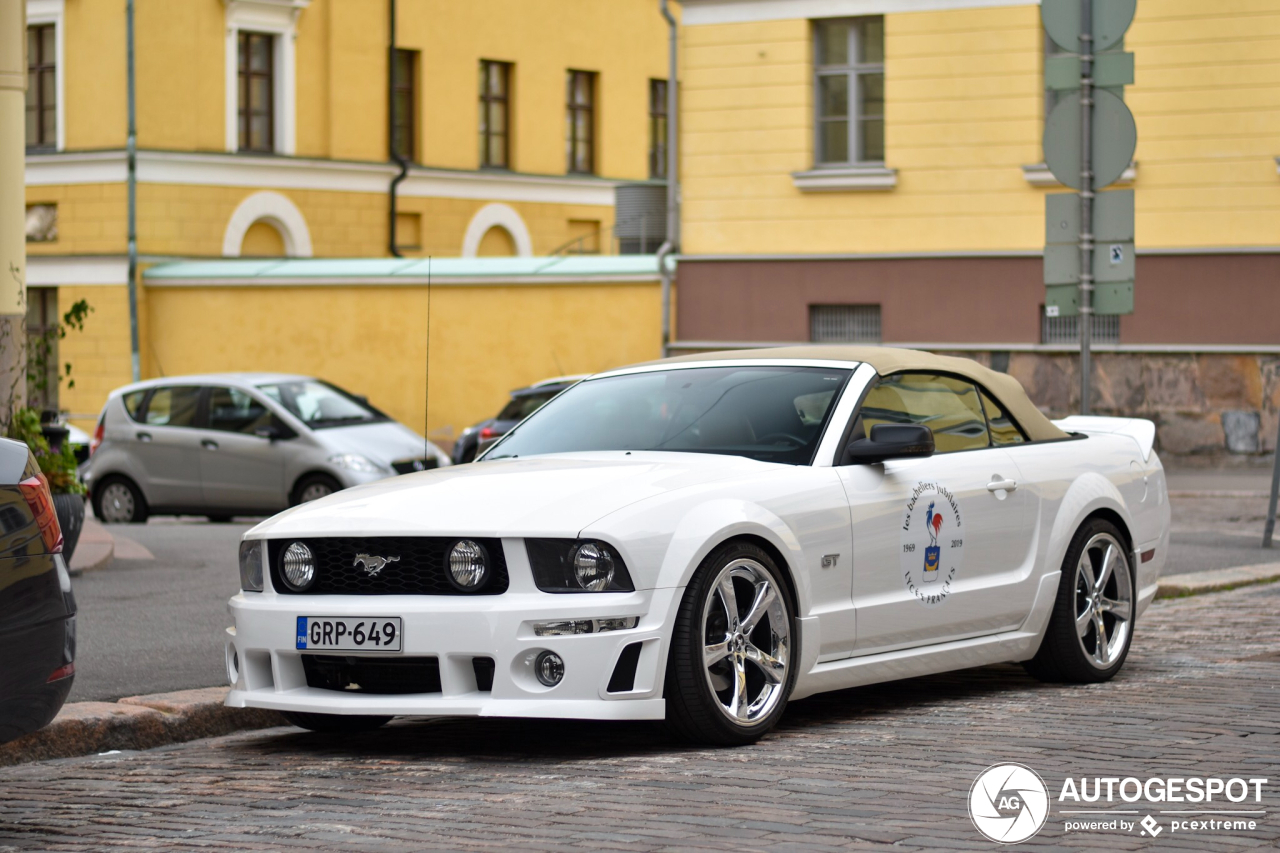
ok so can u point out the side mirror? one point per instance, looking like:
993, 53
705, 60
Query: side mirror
890, 441
270, 432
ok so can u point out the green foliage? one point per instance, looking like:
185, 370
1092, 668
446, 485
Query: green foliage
58, 467
41, 350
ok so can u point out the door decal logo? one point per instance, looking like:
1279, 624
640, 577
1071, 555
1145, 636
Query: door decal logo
932, 542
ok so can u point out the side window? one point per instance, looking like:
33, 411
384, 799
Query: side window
133, 403
948, 406
232, 410
1003, 429
173, 406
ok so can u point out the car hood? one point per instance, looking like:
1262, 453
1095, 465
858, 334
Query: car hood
382, 443
555, 495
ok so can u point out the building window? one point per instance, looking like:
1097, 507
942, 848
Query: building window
842, 324
1066, 330
256, 70
658, 129
42, 87
580, 138
404, 88
849, 91
42, 347
42, 223
495, 114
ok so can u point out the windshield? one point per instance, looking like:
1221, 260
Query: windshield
774, 414
319, 404
526, 404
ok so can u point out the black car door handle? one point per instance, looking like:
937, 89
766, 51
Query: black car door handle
144, 436
209, 444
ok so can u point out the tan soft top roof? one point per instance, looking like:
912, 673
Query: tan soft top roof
1007, 390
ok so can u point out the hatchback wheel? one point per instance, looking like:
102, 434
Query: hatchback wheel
732, 661
314, 487
1092, 624
118, 501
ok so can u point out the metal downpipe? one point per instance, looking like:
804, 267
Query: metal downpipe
391, 132
672, 244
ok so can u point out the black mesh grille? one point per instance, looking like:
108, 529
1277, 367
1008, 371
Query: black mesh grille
372, 675
422, 567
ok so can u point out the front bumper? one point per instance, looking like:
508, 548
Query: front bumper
266, 669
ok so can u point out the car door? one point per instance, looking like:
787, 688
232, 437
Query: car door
943, 545
166, 447
239, 469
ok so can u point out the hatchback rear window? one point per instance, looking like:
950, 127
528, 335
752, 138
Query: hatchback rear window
133, 403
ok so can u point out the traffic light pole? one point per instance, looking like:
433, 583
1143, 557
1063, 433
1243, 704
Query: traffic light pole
1086, 204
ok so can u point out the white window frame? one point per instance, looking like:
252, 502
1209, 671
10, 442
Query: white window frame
854, 70
39, 13
277, 18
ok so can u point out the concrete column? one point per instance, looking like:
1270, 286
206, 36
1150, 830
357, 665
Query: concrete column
13, 231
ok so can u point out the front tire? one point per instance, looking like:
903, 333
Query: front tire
1091, 628
335, 723
313, 487
117, 500
732, 664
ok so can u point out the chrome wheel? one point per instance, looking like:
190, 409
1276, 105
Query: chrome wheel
746, 641
1103, 601
314, 492
117, 504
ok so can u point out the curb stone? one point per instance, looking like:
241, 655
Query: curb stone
94, 551
1194, 583
136, 722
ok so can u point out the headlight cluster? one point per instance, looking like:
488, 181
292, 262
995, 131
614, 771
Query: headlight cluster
358, 463
576, 565
468, 565
251, 565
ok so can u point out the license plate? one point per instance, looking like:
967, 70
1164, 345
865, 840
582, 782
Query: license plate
349, 633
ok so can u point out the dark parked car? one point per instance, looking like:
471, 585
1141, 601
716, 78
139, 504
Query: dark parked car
37, 609
523, 402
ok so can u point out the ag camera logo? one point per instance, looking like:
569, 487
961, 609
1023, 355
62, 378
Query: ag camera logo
1009, 803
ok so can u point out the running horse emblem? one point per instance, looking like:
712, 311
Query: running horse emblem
372, 565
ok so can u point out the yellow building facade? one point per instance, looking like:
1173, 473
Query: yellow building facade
263, 130
930, 229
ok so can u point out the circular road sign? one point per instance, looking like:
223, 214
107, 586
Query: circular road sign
1115, 136
1110, 20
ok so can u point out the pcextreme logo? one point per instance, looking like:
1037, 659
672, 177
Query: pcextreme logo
1008, 803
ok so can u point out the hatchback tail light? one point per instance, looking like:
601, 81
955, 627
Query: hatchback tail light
36, 491
99, 432
487, 433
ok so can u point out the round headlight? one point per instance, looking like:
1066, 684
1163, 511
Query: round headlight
299, 567
468, 565
549, 668
593, 567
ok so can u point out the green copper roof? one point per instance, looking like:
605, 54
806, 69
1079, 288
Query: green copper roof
405, 270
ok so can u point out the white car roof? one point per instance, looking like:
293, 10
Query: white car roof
242, 380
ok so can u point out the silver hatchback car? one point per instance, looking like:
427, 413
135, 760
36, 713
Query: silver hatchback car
240, 444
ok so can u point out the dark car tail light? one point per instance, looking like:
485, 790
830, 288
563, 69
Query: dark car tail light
65, 671
99, 432
36, 491
488, 432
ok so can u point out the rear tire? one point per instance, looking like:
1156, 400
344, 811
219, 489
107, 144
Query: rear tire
117, 500
313, 487
335, 723
1091, 628
737, 613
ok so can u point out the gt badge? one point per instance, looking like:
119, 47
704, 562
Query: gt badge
829, 560
932, 542
372, 565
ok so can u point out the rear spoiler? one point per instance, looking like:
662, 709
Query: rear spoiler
1143, 432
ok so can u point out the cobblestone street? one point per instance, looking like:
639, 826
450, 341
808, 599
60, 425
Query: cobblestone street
862, 769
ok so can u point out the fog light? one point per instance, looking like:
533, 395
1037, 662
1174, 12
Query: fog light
549, 667
299, 567
620, 624
468, 565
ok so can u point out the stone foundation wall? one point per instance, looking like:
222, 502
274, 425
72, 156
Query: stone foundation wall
1202, 403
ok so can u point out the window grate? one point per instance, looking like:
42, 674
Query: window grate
844, 324
1066, 330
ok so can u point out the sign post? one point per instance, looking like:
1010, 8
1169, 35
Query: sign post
1089, 140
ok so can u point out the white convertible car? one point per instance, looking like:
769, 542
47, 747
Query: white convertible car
702, 539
